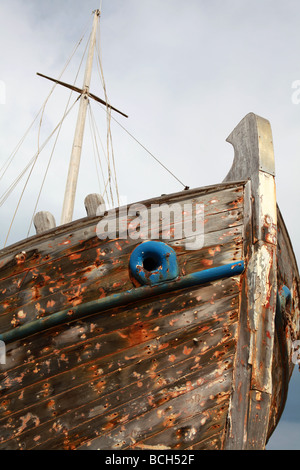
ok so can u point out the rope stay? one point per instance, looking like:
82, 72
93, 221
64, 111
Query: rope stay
66, 112
109, 141
110, 182
32, 165
148, 151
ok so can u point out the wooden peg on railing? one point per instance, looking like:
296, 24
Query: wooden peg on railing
43, 221
92, 202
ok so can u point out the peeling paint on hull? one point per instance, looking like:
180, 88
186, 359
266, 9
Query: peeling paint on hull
203, 367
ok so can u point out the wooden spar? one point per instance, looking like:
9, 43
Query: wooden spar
70, 191
79, 90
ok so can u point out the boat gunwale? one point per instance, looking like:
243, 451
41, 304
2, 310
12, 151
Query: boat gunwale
88, 220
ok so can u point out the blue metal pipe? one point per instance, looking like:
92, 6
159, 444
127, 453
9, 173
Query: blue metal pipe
120, 299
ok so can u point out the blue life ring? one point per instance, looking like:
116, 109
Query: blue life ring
153, 262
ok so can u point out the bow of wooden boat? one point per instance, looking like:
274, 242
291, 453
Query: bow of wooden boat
195, 352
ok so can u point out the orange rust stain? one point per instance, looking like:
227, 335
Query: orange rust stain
122, 334
14, 322
187, 351
66, 242
100, 386
149, 313
107, 426
189, 386
124, 419
150, 399
25, 420
35, 293
39, 309
207, 262
218, 354
51, 404
168, 422
203, 328
139, 384
63, 358
137, 333
172, 357
75, 256
213, 251
50, 303
102, 293
21, 314
163, 346
118, 246
268, 335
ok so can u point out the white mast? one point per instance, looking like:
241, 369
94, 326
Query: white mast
70, 191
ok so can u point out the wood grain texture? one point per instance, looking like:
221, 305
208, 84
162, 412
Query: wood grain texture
200, 368
131, 376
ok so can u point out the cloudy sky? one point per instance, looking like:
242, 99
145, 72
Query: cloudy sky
185, 72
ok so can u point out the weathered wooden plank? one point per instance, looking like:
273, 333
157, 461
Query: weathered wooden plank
83, 390
254, 158
184, 327
18, 290
259, 406
214, 442
42, 298
94, 405
89, 289
286, 325
77, 344
64, 241
173, 401
187, 431
288, 275
262, 288
102, 251
280, 379
236, 430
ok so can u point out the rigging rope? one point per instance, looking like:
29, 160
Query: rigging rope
95, 146
109, 154
148, 151
14, 152
34, 159
95, 129
32, 164
60, 126
108, 117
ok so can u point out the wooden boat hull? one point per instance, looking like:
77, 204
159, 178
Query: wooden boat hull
199, 366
